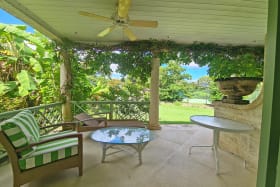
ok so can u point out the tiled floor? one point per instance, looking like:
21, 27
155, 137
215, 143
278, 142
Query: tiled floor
166, 163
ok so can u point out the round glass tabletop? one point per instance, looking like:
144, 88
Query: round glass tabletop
122, 135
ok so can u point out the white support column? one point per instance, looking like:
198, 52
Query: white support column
65, 86
154, 95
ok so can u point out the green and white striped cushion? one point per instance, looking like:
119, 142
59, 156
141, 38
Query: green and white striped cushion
30, 124
50, 152
57, 134
16, 136
22, 129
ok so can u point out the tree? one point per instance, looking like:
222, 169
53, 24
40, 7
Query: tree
173, 82
204, 88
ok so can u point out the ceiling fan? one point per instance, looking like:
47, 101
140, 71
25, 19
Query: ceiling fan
121, 19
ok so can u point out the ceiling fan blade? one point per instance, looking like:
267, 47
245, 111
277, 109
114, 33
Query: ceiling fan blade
106, 31
129, 34
123, 7
83, 13
142, 23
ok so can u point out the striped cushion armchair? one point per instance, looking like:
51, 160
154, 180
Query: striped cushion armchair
33, 155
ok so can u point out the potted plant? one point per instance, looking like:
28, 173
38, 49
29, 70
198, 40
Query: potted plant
236, 70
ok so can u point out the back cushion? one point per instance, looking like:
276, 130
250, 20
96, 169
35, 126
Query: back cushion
29, 125
21, 130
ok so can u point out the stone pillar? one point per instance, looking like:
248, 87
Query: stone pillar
154, 95
65, 86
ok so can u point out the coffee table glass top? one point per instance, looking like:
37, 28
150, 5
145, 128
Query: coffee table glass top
122, 135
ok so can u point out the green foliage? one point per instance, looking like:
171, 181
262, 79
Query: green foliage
229, 61
115, 91
209, 88
134, 58
26, 83
81, 83
7, 87
29, 68
173, 82
91, 74
214, 91
136, 89
134, 63
204, 88
128, 89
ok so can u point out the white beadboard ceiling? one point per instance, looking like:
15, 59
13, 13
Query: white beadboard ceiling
237, 22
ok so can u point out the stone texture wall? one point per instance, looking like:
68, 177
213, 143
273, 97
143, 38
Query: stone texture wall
244, 145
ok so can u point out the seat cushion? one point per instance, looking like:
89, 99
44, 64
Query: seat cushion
56, 134
50, 152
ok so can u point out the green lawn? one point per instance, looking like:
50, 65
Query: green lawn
179, 113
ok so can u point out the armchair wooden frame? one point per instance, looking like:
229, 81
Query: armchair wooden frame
21, 177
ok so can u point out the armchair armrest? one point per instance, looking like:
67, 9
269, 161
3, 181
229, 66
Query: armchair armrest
76, 135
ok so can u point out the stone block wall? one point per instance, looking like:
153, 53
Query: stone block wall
244, 145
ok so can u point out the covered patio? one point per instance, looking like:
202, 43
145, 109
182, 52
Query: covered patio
166, 163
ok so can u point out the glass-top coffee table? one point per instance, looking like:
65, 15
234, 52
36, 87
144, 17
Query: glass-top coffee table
137, 138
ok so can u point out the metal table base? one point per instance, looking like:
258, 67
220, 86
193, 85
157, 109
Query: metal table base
214, 147
138, 147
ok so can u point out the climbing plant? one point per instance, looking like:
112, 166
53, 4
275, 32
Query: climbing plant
223, 60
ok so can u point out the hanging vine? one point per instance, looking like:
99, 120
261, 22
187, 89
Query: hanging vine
134, 58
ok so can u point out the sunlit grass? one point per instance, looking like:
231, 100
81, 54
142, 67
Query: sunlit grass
179, 113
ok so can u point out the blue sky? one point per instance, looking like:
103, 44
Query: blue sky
9, 19
196, 71
192, 69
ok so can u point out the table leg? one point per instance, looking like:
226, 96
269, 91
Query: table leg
139, 150
104, 148
216, 146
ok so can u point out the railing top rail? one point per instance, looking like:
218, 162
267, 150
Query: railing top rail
111, 102
10, 113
